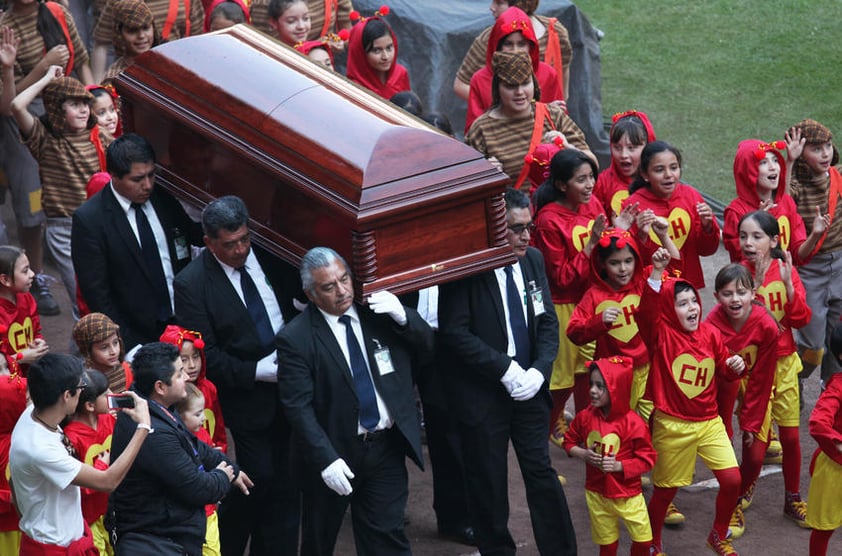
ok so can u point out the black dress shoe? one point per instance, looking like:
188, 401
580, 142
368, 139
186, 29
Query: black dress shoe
462, 535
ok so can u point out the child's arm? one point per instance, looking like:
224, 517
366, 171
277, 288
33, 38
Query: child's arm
641, 457
797, 313
8, 52
820, 224
823, 417
794, 147
661, 227
25, 120
586, 325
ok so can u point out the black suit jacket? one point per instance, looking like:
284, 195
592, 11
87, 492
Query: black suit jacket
317, 391
206, 301
472, 330
109, 264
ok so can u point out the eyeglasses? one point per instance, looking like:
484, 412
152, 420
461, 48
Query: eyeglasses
79, 388
518, 229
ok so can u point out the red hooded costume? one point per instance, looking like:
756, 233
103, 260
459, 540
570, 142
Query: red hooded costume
826, 421
361, 72
612, 187
513, 20
19, 324
12, 404
746, 169
685, 365
90, 444
621, 433
586, 325
209, 5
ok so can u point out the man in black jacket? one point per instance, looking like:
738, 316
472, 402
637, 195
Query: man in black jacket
160, 506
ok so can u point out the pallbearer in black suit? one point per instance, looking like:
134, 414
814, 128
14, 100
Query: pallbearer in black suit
345, 383
501, 331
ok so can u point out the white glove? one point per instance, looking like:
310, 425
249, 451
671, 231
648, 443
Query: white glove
529, 384
384, 302
511, 379
336, 477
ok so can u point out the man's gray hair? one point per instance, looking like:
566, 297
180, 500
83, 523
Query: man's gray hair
227, 213
315, 258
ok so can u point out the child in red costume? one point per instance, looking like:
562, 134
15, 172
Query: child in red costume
825, 512
12, 404
760, 175
192, 349
749, 330
614, 441
512, 32
781, 291
630, 132
373, 56
89, 431
693, 228
20, 324
688, 359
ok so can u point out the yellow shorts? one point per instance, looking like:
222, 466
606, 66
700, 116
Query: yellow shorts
785, 410
9, 542
678, 442
101, 538
211, 546
571, 358
824, 512
605, 513
638, 403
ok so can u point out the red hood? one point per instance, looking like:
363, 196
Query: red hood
12, 401
746, 170
215, 3
650, 132
358, 68
667, 305
617, 373
621, 235
176, 335
511, 21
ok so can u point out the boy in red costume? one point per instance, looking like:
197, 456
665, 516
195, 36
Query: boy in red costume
688, 359
614, 441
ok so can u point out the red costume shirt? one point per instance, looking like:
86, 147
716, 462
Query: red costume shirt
560, 235
826, 421
621, 433
91, 445
790, 313
12, 404
792, 230
685, 366
685, 229
19, 323
359, 70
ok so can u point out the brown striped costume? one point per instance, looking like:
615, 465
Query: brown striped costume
259, 11
104, 29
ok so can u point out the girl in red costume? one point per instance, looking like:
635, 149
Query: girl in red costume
20, 324
752, 332
693, 228
614, 443
689, 360
12, 403
373, 56
780, 289
290, 19
221, 14
630, 132
89, 431
512, 32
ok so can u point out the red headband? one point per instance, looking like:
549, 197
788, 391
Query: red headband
763, 148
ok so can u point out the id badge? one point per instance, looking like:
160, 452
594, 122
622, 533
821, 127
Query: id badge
536, 295
182, 250
383, 359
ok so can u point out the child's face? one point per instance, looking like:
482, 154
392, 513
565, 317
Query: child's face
768, 172
515, 42
516, 98
579, 188
101, 403
598, 391
754, 242
619, 268
626, 156
818, 157
498, 7
21, 279
382, 54
687, 310
663, 174
321, 57
138, 39
106, 354
192, 359
293, 25
736, 299
194, 416
221, 22
76, 114
106, 114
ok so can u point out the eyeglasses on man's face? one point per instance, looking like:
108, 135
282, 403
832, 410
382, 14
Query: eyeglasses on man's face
518, 229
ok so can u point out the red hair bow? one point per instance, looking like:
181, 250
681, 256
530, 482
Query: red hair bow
626, 114
763, 148
517, 25
622, 237
356, 17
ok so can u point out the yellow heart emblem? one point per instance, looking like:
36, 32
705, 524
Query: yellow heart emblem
607, 445
749, 355
617, 200
680, 223
21, 335
785, 231
625, 327
96, 450
691, 375
210, 421
774, 297
581, 235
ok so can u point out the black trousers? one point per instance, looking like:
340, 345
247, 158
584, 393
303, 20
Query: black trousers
450, 500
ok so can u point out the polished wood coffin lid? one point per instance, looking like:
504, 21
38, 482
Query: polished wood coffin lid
317, 159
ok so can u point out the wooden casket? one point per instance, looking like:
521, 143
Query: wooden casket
318, 161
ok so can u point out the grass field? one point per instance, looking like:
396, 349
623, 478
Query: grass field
710, 74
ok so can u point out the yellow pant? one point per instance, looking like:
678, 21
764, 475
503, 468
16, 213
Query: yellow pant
824, 512
101, 538
571, 358
785, 400
211, 546
678, 442
9, 542
638, 403
605, 513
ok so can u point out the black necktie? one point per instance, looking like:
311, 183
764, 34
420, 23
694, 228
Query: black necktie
369, 414
256, 308
152, 258
517, 320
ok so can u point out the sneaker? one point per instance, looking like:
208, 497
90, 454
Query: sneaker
737, 526
562, 480
774, 451
796, 509
40, 290
721, 546
674, 516
557, 434
656, 550
745, 499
